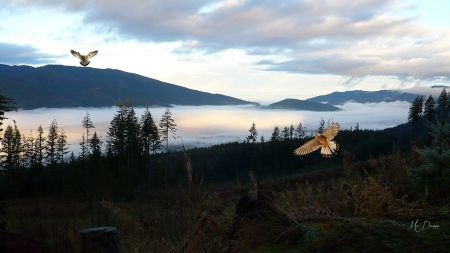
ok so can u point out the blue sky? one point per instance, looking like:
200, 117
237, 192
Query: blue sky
254, 50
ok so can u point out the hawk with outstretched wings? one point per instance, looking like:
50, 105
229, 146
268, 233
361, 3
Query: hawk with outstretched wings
323, 140
84, 58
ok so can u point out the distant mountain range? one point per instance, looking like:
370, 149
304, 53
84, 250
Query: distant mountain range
296, 104
359, 96
56, 86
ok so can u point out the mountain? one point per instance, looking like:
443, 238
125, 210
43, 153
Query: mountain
359, 96
304, 105
67, 86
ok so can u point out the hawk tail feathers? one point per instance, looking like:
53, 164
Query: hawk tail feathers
331, 149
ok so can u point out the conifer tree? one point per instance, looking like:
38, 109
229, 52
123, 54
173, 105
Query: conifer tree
8, 147
429, 108
442, 100
321, 125
62, 146
300, 131
167, 128
116, 136
51, 143
5, 106
28, 149
291, 132
285, 133
95, 144
17, 146
253, 134
83, 155
87, 123
275, 135
436, 157
39, 147
149, 133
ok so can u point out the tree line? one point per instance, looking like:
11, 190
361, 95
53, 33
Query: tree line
135, 158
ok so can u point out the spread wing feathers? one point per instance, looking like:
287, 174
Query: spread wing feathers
328, 151
76, 54
308, 147
91, 54
331, 131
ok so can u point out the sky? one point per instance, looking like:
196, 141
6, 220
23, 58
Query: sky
253, 50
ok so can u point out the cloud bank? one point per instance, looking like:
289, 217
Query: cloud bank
347, 38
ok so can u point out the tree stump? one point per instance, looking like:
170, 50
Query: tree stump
101, 239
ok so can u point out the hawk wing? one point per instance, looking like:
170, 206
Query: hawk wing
331, 131
308, 147
76, 54
91, 54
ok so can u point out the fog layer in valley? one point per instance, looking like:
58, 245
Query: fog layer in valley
208, 125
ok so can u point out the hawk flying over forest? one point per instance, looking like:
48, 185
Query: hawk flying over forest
84, 58
321, 140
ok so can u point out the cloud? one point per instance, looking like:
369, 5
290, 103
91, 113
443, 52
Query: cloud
348, 38
23, 54
208, 125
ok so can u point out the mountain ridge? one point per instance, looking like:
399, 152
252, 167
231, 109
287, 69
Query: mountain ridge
68, 86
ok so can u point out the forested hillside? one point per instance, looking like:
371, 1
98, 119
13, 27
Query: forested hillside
236, 197
56, 86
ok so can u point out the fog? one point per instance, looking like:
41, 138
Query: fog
201, 126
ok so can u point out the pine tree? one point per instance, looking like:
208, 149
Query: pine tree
8, 147
51, 143
253, 134
84, 153
62, 146
291, 132
39, 147
149, 133
17, 147
285, 133
95, 144
300, 131
28, 149
116, 136
262, 140
436, 157
87, 123
442, 100
415, 113
5, 106
275, 135
429, 108
321, 126
167, 128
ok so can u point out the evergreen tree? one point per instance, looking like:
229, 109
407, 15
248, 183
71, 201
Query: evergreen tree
8, 147
285, 133
62, 146
291, 132
28, 149
167, 129
321, 126
442, 100
39, 147
262, 140
429, 108
132, 130
149, 133
356, 127
17, 147
414, 114
436, 157
51, 143
253, 133
5, 106
87, 123
300, 131
116, 136
95, 144
276, 136
83, 155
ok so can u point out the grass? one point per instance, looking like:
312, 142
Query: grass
357, 207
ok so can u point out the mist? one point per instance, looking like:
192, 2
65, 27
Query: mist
203, 126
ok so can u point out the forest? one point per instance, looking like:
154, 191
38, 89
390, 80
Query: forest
185, 200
